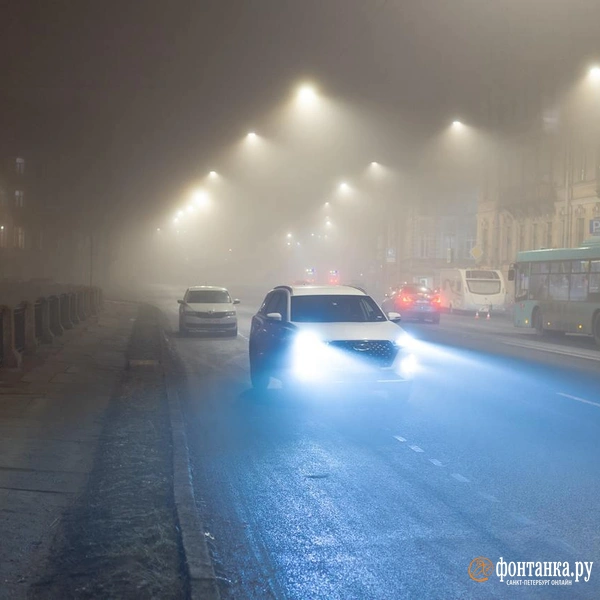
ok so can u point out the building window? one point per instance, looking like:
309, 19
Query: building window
579, 230
19, 198
424, 246
468, 245
508, 241
521, 238
19, 237
534, 236
549, 240
20, 166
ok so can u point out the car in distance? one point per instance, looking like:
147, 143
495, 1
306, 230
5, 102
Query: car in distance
414, 302
327, 335
207, 308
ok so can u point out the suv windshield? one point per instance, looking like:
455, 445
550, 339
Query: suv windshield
208, 297
335, 309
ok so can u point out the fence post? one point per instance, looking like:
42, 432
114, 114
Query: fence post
10, 356
45, 333
65, 311
80, 307
54, 315
30, 341
73, 308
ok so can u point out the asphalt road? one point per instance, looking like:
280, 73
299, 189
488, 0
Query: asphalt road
494, 454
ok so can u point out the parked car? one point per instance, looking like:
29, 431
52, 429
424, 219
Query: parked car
208, 308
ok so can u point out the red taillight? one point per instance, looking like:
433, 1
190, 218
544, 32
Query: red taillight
406, 299
436, 300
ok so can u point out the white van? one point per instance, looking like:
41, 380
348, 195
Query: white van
472, 290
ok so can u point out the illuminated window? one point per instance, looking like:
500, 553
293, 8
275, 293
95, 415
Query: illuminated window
19, 198
20, 166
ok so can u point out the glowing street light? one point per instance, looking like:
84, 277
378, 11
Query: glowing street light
344, 187
251, 136
213, 175
176, 220
457, 124
157, 229
307, 95
595, 73
200, 198
375, 164
180, 213
327, 204
190, 208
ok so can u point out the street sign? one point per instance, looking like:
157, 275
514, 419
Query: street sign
476, 252
595, 226
391, 255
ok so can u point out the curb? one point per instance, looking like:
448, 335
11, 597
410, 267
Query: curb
199, 566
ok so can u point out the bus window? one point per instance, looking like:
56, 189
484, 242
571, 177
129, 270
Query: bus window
540, 267
522, 282
538, 289
560, 266
579, 287
594, 289
558, 287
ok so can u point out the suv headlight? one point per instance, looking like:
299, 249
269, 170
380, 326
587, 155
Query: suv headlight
306, 351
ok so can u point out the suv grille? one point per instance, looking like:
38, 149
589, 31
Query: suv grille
376, 352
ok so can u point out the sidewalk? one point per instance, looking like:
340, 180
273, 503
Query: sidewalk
51, 417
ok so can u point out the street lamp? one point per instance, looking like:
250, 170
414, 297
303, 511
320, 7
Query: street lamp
213, 175
251, 136
200, 198
595, 73
306, 95
344, 187
457, 124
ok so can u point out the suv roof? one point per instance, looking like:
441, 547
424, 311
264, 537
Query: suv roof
322, 290
196, 288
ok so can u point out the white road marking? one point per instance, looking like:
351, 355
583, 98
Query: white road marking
460, 478
553, 349
416, 449
400, 439
488, 497
578, 399
436, 462
243, 336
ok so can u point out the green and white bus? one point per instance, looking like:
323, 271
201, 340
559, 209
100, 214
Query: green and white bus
558, 290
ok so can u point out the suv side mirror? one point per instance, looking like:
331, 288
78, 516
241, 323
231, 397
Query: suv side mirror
394, 316
180, 302
236, 301
274, 316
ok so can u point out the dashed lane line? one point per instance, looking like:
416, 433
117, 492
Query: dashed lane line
416, 449
436, 462
578, 399
400, 439
460, 478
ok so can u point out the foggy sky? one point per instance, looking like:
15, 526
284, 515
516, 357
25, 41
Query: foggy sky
152, 91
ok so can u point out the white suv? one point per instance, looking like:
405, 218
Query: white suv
327, 335
207, 308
